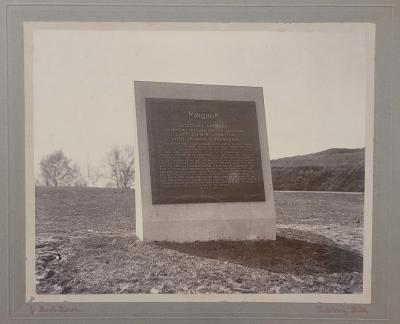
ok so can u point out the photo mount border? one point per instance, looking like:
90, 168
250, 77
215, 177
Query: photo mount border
384, 15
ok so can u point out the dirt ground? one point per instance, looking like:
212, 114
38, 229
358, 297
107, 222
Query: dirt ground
85, 243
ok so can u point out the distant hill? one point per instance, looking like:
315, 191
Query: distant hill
335, 169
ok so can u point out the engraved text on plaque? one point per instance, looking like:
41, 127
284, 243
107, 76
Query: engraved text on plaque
203, 151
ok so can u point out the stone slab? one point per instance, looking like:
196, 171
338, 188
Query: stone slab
186, 189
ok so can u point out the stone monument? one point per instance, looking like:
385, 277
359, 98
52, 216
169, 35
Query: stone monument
202, 163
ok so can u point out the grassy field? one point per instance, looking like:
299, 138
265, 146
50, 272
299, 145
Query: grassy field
318, 248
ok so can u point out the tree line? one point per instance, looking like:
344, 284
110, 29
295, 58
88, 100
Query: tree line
117, 171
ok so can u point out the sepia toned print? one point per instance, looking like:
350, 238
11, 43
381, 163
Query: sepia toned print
241, 174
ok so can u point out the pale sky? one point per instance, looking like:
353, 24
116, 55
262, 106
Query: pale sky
314, 82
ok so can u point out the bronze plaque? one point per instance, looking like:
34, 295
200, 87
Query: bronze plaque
203, 151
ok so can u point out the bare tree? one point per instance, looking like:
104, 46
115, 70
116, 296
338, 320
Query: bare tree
120, 161
58, 170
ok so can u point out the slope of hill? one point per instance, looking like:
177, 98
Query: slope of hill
331, 170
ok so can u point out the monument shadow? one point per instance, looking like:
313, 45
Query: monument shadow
285, 255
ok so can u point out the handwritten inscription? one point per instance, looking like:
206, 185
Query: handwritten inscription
40, 309
204, 151
322, 309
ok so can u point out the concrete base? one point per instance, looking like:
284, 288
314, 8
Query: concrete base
200, 221
197, 230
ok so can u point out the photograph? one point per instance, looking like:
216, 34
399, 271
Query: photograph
199, 161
